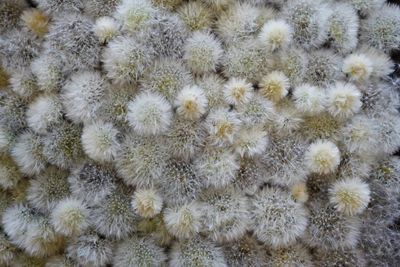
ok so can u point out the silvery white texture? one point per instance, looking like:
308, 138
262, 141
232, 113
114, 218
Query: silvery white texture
204, 133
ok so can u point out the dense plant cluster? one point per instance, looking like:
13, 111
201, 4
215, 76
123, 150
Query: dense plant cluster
199, 133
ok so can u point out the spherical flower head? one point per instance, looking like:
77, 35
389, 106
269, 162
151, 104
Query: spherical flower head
196, 15
196, 252
134, 14
10, 173
350, 196
23, 83
322, 157
251, 142
275, 86
246, 59
191, 102
28, 153
309, 20
359, 67
49, 72
48, 188
299, 192
105, 28
180, 183
137, 251
217, 167
62, 145
147, 202
43, 112
222, 126
275, 34
184, 221
70, 217
382, 65
114, 216
343, 28
125, 59
83, 94
149, 114
202, 52
100, 141
278, 219
309, 99
71, 36
330, 229
382, 29
344, 100
167, 76
36, 21
226, 214
41, 240
90, 249
238, 91
140, 161
92, 182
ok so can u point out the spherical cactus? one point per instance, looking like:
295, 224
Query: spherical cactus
191, 102
322, 157
147, 202
139, 252
278, 219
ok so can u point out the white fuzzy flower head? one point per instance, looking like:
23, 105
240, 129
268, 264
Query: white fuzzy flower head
191, 102
100, 141
105, 28
238, 91
275, 86
43, 112
202, 52
322, 157
70, 217
27, 153
251, 142
344, 100
309, 99
278, 219
299, 192
275, 34
222, 126
82, 95
217, 167
183, 221
147, 202
135, 14
350, 196
149, 114
358, 66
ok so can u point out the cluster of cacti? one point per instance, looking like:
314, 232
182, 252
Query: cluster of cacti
199, 133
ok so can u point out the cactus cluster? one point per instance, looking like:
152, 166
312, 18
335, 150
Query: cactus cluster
199, 133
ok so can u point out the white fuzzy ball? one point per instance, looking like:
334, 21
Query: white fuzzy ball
238, 91
149, 114
344, 100
184, 221
322, 157
251, 142
358, 66
275, 34
309, 99
70, 217
100, 141
191, 102
350, 196
275, 86
222, 126
202, 52
105, 28
147, 202
135, 14
44, 111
